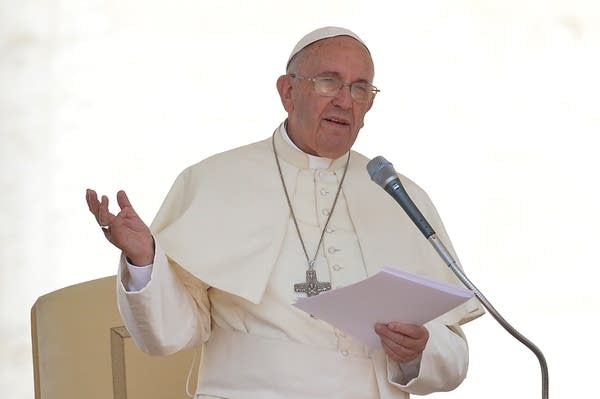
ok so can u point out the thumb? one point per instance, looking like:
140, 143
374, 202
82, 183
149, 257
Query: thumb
123, 201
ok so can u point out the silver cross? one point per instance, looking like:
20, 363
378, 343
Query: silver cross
312, 286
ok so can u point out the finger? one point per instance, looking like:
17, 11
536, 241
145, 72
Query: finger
105, 218
398, 338
102, 211
396, 352
414, 331
92, 201
93, 204
400, 349
123, 200
384, 331
389, 351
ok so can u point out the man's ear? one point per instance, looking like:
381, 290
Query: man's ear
284, 87
370, 105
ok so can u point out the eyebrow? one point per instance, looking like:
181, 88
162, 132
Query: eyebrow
337, 75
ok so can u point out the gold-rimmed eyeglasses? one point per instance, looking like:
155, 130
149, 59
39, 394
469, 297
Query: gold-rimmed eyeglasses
330, 86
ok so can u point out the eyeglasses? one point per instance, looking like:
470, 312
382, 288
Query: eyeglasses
329, 86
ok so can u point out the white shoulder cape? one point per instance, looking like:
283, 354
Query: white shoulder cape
225, 218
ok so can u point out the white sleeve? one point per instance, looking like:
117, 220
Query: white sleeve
169, 313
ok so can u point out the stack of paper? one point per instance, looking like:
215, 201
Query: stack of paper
390, 295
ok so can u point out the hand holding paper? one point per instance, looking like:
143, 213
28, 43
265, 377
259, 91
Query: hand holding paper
402, 342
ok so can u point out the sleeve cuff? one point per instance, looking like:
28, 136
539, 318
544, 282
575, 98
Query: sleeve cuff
139, 277
403, 373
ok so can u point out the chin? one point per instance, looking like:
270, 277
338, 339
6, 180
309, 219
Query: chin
335, 144
340, 149
335, 153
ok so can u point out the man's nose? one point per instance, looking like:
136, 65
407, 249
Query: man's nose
343, 98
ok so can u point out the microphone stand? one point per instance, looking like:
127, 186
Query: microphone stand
451, 263
382, 172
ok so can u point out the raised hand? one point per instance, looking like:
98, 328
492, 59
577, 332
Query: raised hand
125, 230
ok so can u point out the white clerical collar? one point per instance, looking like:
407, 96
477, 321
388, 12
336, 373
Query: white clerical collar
314, 162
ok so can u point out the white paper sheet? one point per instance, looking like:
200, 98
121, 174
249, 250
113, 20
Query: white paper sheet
390, 295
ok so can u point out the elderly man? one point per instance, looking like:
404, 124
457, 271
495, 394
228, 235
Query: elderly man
242, 234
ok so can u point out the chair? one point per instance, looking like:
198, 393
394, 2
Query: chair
81, 350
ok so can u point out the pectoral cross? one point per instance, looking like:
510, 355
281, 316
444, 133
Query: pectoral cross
312, 286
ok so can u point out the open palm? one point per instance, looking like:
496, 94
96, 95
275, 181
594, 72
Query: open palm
125, 230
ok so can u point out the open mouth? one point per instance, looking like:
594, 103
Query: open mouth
337, 121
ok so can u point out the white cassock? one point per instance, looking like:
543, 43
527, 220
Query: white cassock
228, 255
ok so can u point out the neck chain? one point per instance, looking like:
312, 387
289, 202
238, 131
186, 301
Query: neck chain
312, 286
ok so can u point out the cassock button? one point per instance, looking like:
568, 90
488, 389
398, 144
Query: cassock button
330, 230
325, 212
337, 268
332, 250
344, 352
324, 192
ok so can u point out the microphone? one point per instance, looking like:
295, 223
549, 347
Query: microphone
382, 172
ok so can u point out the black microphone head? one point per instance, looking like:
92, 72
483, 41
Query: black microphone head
381, 171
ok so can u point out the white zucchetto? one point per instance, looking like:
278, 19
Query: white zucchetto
320, 34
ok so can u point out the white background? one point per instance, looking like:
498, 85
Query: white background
490, 105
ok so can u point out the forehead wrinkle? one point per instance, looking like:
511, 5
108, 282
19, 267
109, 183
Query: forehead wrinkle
310, 53
309, 57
